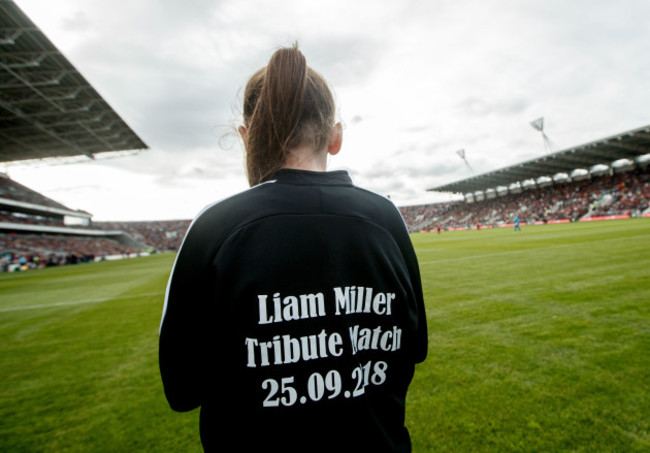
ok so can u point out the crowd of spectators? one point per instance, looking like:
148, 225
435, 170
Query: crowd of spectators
163, 235
624, 193
29, 251
29, 219
621, 193
420, 216
157, 235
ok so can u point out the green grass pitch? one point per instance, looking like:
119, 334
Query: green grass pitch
539, 341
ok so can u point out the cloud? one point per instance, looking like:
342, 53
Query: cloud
415, 82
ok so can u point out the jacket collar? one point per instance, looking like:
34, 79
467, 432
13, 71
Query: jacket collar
291, 176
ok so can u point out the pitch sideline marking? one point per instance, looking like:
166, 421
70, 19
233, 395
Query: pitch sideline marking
78, 302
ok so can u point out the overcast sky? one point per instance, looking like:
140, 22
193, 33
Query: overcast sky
415, 81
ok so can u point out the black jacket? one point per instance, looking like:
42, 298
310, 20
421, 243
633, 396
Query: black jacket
293, 317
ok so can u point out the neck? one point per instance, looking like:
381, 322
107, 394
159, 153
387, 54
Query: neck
304, 158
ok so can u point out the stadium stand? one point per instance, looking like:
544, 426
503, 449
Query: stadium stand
48, 111
627, 146
47, 108
38, 235
161, 235
27, 239
35, 231
623, 194
567, 185
25, 251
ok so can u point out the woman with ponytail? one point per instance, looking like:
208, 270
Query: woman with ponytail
294, 314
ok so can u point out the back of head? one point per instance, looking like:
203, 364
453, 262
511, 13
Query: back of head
286, 105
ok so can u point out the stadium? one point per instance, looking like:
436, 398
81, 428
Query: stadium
538, 343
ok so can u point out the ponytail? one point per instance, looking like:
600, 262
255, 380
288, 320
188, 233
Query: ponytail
286, 104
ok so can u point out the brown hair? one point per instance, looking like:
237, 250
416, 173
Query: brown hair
286, 104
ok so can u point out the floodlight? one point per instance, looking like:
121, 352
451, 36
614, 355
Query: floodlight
461, 153
538, 124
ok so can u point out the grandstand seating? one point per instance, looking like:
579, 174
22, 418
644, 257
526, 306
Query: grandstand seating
160, 234
620, 193
625, 193
33, 232
42, 250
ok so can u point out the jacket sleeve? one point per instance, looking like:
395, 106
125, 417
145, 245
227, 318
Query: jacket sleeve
422, 334
183, 327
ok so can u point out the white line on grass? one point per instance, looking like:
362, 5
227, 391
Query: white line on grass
78, 302
474, 257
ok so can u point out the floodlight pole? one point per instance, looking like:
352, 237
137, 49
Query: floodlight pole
461, 153
538, 124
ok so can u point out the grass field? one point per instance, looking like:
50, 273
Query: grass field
539, 341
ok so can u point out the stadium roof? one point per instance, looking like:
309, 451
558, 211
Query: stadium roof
47, 108
627, 145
